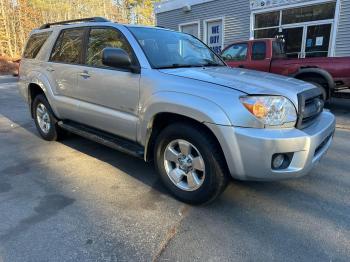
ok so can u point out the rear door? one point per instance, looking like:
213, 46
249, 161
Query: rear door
63, 68
109, 96
237, 55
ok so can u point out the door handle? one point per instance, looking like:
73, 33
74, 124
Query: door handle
241, 66
50, 69
85, 74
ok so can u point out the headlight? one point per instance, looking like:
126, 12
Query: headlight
271, 110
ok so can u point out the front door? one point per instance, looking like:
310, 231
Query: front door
109, 96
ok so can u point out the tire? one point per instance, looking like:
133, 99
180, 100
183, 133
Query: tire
211, 176
51, 133
320, 84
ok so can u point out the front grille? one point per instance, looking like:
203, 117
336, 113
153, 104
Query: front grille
310, 107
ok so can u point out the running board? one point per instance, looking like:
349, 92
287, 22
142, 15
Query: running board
104, 138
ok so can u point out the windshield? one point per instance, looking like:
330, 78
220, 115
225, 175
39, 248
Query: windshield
169, 49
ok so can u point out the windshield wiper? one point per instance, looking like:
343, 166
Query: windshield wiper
211, 63
178, 66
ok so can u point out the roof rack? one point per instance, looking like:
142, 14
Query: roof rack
88, 19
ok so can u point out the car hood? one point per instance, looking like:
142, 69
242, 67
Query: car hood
247, 81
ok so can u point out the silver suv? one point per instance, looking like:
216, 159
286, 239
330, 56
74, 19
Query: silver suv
165, 96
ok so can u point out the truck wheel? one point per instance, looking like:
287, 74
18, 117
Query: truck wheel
190, 164
323, 90
320, 84
45, 121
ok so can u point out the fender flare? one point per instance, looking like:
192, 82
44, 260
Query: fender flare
197, 108
41, 80
319, 71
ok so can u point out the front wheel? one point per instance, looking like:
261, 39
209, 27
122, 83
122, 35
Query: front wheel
190, 163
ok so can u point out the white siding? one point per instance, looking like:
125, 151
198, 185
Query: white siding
342, 43
236, 15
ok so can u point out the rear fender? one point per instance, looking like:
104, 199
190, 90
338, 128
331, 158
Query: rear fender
42, 81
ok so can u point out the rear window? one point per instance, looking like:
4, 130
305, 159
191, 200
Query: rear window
278, 49
68, 47
35, 42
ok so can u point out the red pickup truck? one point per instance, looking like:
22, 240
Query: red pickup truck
332, 74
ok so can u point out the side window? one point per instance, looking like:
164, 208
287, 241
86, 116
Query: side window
237, 52
101, 38
35, 42
68, 47
259, 51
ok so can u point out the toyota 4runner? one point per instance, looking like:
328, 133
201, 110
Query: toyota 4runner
165, 96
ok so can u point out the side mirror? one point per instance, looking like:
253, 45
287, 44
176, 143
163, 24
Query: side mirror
116, 57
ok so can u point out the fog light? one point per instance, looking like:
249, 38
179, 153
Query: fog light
277, 161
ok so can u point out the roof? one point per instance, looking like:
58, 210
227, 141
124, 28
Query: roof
169, 5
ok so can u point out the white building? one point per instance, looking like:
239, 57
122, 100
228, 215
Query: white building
311, 27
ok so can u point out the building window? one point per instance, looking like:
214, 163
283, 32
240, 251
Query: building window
306, 29
266, 33
308, 13
267, 19
190, 28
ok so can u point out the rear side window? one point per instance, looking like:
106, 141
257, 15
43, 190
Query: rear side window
99, 39
278, 49
34, 44
237, 52
68, 47
259, 51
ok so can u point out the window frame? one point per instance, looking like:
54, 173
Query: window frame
61, 33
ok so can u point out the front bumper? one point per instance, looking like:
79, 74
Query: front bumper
249, 151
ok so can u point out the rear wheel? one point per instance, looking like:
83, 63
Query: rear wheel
45, 121
190, 164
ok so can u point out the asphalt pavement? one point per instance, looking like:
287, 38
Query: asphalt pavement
76, 200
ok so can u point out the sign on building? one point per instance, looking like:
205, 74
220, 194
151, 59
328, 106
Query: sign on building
214, 35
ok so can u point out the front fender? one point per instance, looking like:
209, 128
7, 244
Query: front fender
197, 108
